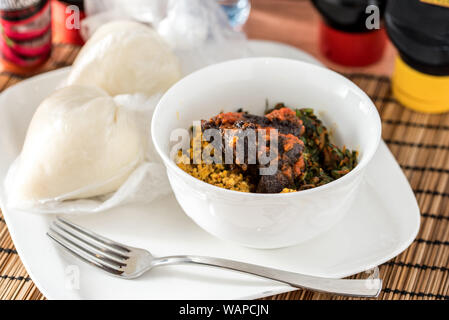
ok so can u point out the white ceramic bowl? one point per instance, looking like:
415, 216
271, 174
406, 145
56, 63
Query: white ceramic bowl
267, 220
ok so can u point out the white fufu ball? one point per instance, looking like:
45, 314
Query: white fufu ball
79, 144
126, 57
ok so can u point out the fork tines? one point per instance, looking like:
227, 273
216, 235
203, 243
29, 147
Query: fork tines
103, 253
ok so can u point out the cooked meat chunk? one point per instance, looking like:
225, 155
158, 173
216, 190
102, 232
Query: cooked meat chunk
288, 157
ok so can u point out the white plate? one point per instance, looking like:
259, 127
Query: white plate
264, 48
382, 223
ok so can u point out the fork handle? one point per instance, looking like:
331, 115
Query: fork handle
346, 287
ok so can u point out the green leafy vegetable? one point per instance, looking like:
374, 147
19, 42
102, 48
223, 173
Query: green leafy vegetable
324, 162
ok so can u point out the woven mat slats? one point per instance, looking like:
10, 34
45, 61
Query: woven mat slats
420, 143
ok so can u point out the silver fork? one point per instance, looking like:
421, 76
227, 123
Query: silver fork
128, 262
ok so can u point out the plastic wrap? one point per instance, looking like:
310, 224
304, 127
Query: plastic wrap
198, 31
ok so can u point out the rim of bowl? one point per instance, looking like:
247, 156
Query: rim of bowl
367, 157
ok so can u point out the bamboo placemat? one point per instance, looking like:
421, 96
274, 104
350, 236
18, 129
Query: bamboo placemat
420, 143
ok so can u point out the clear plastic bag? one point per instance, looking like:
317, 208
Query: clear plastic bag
198, 31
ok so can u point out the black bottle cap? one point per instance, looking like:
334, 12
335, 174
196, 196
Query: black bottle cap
420, 32
347, 15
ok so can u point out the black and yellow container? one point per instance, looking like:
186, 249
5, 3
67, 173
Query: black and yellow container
420, 31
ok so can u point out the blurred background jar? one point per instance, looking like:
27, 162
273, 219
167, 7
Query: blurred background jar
420, 31
348, 34
67, 16
26, 34
237, 11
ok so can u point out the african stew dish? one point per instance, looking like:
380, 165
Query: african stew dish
293, 142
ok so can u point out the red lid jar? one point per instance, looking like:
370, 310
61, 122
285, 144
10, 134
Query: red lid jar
355, 49
344, 35
64, 20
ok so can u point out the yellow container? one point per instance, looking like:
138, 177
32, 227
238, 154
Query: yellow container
419, 91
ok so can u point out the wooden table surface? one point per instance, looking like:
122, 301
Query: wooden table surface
420, 143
